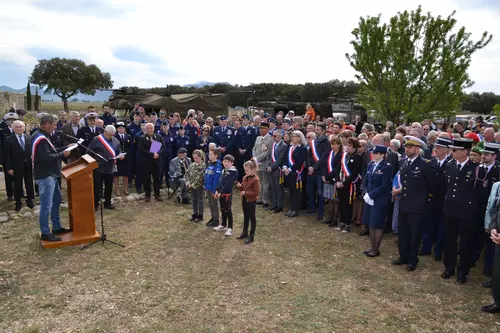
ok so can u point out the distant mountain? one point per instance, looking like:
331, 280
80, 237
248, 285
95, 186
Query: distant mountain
100, 96
201, 84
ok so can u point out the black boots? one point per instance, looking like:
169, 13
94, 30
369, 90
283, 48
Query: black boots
249, 239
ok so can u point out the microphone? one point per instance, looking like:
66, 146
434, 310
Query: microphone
79, 142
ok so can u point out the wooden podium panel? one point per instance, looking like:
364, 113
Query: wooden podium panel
80, 180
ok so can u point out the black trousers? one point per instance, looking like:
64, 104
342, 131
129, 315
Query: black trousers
9, 184
99, 180
388, 220
479, 240
225, 202
495, 279
296, 195
453, 228
249, 217
25, 175
409, 236
151, 170
345, 206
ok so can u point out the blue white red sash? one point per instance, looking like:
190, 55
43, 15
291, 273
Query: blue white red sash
37, 140
106, 145
481, 139
345, 169
330, 161
314, 151
291, 162
273, 152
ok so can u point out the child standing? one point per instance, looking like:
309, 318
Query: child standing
211, 180
194, 181
249, 188
224, 194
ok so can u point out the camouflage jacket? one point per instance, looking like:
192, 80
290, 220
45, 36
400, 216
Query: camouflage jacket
195, 174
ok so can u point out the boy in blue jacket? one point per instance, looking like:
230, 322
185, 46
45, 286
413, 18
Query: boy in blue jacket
225, 192
211, 180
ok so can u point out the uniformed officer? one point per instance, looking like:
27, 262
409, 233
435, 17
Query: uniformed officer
8, 119
488, 173
132, 129
166, 156
494, 228
139, 160
459, 209
222, 136
434, 225
418, 179
90, 131
241, 146
191, 131
377, 195
181, 140
122, 166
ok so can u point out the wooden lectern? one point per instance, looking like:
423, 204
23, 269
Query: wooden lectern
80, 180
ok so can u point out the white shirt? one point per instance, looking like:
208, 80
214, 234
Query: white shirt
463, 163
489, 166
75, 128
442, 161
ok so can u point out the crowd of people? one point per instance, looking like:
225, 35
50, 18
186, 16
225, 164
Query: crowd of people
434, 185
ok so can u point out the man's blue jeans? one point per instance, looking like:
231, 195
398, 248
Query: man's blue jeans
315, 194
50, 201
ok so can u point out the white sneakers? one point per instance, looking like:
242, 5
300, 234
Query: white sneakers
220, 228
229, 232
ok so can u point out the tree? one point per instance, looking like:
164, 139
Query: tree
36, 106
28, 96
68, 77
413, 66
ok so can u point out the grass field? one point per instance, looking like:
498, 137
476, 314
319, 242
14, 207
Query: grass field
176, 276
77, 106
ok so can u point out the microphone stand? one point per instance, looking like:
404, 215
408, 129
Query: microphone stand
103, 238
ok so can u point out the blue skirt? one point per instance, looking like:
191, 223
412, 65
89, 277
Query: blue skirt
374, 216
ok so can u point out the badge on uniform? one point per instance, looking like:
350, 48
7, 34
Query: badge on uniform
228, 132
264, 148
416, 168
379, 173
485, 183
352, 161
187, 142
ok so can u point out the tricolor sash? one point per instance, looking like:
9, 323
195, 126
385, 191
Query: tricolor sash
37, 140
314, 151
273, 152
291, 162
345, 169
106, 145
330, 161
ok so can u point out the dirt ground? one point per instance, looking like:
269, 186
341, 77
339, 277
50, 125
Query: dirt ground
177, 276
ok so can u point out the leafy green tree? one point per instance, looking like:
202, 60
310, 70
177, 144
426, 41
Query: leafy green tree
28, 97
413, 66
68, 77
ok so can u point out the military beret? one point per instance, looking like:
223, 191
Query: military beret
476, 150
165, 123
272, 120
473, 136
287, 121
181, 128
144, 121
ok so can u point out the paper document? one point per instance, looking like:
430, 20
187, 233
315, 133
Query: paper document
155, 146
71, 147
118, 157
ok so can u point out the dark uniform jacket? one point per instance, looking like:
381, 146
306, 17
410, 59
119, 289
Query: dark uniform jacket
354, 165
460, 200
57, 139
299, 157
378, 181
419, 184
437, 200
484, 183
124, 143
87, 135
222, 137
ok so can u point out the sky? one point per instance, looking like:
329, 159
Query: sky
149, 43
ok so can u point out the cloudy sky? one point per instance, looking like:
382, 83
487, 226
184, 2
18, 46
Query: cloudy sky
153, 43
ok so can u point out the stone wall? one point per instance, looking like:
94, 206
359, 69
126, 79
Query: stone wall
9, 100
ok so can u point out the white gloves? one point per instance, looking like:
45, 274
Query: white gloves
368, 200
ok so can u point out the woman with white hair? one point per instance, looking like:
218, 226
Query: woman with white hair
293, 169
108, 147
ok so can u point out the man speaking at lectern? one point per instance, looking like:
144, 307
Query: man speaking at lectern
47, 171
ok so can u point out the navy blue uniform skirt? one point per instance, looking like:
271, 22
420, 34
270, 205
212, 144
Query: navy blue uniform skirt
374, 216
123, 167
